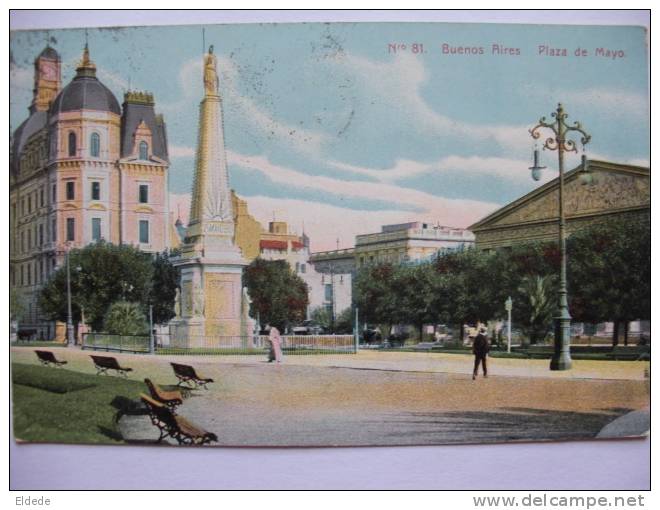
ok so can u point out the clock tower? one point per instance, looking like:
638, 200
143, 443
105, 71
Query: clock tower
47, 78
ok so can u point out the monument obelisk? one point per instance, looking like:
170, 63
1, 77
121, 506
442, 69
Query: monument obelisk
211, 265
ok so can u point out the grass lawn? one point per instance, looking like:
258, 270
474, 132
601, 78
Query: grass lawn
58, 405
246, 352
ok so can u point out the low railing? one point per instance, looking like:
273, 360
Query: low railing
116, 343
254, 344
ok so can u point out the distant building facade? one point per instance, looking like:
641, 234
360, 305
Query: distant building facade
614, 190
403, 243
82, 169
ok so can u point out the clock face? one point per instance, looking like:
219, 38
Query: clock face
49, 71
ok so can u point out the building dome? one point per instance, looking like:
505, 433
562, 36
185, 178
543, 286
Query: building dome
49, 53
85, 92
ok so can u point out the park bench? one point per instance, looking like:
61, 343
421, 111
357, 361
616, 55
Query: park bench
105, 363
48, 358
171, 399
186, 374
175, 426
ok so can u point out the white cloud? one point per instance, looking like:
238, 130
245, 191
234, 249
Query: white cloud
455, 212
399, 83
610, 100
513, 169
190, 79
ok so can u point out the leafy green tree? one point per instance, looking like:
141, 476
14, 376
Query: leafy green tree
536, 305
321, 316
609, 271
124, 318
470, 287
279, 296
417, 298
101, 274
344, 322
16, 306
375, 294
165, 282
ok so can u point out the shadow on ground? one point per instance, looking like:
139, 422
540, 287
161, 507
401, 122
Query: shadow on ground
505, 424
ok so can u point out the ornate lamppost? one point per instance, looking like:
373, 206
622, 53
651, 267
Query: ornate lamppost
561, 359
69, 316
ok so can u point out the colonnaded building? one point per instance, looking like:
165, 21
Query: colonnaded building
83, 168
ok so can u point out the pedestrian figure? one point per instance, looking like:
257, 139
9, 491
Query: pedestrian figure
480, 348
275, 340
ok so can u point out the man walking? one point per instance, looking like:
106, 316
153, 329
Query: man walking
480, 348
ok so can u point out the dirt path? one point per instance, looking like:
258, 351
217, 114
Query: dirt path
308, 401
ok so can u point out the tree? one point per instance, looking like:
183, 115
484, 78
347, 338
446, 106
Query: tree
344, 322
321, 316
164, 285
471, 294
101, 274
279, 296
609, 270
416, 298
536, 305
16, 306
124, 318
375, 294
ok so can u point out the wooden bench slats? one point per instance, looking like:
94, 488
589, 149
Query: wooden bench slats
48, 358
105, 363
187, 374
174, 426
171, 399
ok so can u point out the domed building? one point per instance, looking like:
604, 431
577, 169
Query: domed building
82, 168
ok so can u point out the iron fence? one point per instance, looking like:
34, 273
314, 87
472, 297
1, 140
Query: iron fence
221, 345
116, 343
254, 344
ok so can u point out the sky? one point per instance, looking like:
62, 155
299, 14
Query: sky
340, 128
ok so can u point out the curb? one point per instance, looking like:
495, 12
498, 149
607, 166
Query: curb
634, 423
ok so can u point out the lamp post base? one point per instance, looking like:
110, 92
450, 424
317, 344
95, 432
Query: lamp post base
561, 359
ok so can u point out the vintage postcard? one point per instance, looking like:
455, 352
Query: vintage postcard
329, 234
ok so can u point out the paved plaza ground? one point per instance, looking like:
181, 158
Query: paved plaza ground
388, 398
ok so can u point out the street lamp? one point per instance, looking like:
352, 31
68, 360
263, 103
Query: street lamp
561, 359
69, 318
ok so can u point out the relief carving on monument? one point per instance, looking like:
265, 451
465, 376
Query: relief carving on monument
187, 300
219, 290
611, 191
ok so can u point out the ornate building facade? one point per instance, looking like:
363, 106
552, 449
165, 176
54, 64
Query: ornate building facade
82, 169
613, 190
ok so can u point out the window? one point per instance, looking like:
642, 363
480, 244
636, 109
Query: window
70, 190
41, 235
54, 193
95, 145
53, 230
29, 236
144, 193
144, 150
96, 190
70, 229
22, 242
144, 231
303, 268
96, 229
41, 197
72, 144
328, 291
29, 204
22, 276
41, 271
29, 274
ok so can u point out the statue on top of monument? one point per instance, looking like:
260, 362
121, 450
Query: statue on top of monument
211, 82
